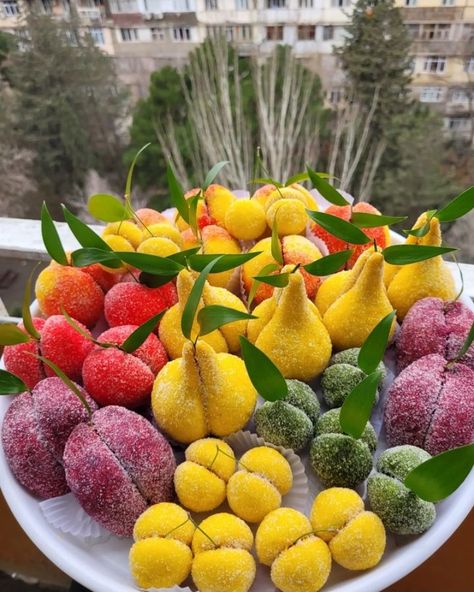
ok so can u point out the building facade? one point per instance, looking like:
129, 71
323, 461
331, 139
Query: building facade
144, 35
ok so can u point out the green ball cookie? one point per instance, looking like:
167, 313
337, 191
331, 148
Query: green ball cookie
400, 509
289, 422
328, 423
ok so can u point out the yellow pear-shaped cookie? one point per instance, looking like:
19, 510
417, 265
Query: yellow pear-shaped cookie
289, 330
354, 314
415, 281
202, 393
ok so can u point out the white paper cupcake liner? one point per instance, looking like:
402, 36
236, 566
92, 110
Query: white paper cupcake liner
297, 497
66, 514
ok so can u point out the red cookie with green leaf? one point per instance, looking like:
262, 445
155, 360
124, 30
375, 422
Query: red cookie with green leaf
380, 234
35, 429
53, 338
115, 376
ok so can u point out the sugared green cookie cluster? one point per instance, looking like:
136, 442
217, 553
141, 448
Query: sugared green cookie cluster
340, 460
400, 509
342, 375
290, 421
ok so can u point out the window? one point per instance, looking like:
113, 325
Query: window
158, 34
124, 6
410, 2
212, 5
328, 33
241, 4
447, 2
306, 32
431, 94
10, 8
459, 124
276, 3
275, 33
335, 96
469, 65
436, 31
459, 95
340, 3
129, 34
238, 33
434, 64
468, 31
182, 34
97, 35
414, 30
305, 3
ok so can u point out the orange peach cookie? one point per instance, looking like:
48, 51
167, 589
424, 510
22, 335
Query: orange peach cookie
201, 480
264, 476
222, 559
161, 556
299, 560
356, 537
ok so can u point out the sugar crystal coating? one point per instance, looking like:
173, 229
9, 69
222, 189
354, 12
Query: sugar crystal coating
224, 570
398, 461
329, 423
338, 381
225, 530
18, 359
284, 425
164, 520
333, 509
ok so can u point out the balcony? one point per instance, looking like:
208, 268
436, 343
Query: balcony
9, 9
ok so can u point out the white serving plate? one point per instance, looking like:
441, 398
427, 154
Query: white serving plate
103, 566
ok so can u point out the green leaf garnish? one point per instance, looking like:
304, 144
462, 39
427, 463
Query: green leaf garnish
329, 264
276, 244
51, 239
255, 283
466, 345
340, 228
150, 263
226, 262
363, 220
326, 190
86, 236
373, 349
67, 381
441, 475
278, 280
266, 181
189, 311
460, 205
265, 376
406, 254
26, 312
75, 325
177, 194
192, 205
139, 336
182, 256
91, 255
11, 384
213, 316
357, 407
128, 184
10, 334
421, 230
107, 208
212, 174
155, 281
304, 177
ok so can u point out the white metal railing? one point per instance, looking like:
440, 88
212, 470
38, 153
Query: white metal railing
9, 9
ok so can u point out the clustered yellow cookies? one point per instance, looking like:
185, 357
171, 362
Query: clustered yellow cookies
217, 553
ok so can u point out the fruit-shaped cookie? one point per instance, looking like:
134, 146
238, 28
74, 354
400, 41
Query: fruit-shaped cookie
202, 393
338, 459
217, 241
286, 207
264, 476
299, 560
356, 312
224, 339
290, 332
222, 560
201, 480
245, 219
415, 281
433, 326
35, 429
161, 555
400, 509
380, 234
162, 239
289, 422
430, 404
116, 465
356, 538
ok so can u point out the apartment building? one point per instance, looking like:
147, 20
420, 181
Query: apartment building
144, 35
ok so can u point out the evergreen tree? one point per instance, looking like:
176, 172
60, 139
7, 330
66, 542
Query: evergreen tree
66, 107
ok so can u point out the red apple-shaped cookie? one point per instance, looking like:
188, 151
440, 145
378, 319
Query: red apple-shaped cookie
114, 377
116, 465
433, 326
34, 432
431, 405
